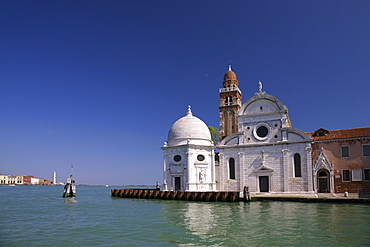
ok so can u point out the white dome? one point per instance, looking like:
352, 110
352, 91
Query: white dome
189, 130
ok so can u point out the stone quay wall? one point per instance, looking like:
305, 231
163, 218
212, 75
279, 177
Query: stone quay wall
216, 196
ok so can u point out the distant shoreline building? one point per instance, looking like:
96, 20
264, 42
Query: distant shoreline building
261, 152
54, 177
11, 179
22, 180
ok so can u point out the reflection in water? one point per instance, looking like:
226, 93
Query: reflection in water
99, 220
199, 218
269, 223
203, 219
71, 200
71, 210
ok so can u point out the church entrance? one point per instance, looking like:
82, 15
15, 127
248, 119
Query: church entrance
264, 183
323, 181
177, 183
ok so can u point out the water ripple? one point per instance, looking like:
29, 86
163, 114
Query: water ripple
38, 216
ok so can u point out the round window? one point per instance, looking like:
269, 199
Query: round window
177, 158
200, 157
262, 131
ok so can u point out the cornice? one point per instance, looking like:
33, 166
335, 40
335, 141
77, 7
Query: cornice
343, 139
189, 146
262, 144
265, 114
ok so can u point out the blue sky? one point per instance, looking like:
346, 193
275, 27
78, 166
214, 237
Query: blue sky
99, 83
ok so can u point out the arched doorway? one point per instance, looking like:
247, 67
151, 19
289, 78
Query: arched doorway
323, 181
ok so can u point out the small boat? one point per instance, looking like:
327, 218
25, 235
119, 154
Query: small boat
70, 187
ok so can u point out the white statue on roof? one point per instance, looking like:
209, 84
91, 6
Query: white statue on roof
260, 86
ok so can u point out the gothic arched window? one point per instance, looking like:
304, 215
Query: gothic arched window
231, 168
297, 165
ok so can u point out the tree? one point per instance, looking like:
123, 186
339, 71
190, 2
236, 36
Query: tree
215, 134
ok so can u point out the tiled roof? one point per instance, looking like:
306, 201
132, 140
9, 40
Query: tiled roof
341, 134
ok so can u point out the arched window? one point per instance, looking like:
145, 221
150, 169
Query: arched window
231, 168
228, 101
297, 165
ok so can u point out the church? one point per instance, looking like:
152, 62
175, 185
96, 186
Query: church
260, 150
189, 158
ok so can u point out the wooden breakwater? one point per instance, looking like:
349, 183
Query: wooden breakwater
209, 196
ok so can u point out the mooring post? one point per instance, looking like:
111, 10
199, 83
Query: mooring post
186, 196
155, 194
120, 192
246, 194
180, 195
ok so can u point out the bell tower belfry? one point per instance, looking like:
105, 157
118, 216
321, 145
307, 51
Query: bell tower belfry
230, 103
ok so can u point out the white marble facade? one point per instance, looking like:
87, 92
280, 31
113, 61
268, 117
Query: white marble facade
189, 156
266, 154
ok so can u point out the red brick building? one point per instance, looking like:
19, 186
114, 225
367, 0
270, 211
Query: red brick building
27, 179
230, 104
341, 160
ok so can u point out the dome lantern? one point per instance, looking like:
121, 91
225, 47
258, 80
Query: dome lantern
230, 79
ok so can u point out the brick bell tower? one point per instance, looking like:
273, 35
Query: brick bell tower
230, 103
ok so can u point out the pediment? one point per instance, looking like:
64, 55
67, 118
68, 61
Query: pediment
264, 168
323, 162
296, 134
230, 140
261, 103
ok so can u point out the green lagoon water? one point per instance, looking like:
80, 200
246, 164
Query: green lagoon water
39, 216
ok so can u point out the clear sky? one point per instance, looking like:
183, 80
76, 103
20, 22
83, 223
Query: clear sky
99, 83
